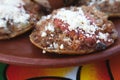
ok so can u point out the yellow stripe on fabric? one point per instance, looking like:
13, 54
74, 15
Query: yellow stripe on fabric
95, 71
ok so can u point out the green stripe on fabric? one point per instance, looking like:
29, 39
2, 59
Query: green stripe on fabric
2, 71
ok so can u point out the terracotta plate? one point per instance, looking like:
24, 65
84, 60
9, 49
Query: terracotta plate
20, 51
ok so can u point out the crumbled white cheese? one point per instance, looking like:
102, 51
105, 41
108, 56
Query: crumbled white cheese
43, 51
101, 1
88, 35
51, 35
13, 3
96, 1
13, 10
50, 46
110, 40
61, 46
103, 36
43, 18
2, 23
49, 27
66, 39
75, 19
43, 34
78, 21
55, 45
98, 41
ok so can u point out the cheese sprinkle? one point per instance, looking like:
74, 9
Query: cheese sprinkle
77, 21
12, 11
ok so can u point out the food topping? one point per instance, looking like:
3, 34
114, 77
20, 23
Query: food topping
74, 29
12, 11
75, 22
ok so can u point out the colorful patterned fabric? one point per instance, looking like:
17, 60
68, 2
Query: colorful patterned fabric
103, 70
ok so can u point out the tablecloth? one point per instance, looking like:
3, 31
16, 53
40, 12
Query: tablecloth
101, 70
